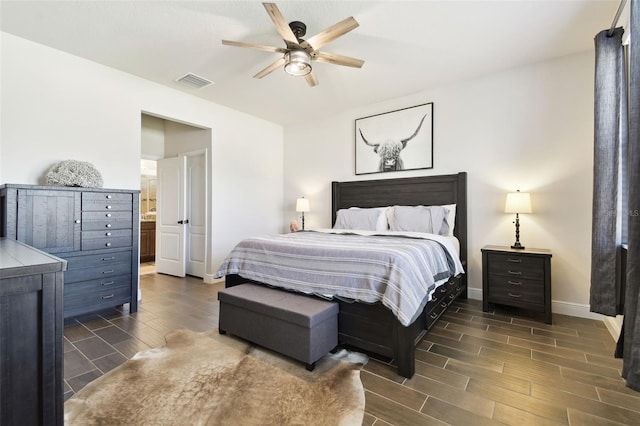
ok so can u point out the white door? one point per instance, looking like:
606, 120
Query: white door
196, 212
171, 214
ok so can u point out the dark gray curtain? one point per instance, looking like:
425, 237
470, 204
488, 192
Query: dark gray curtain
610, 141
631, 351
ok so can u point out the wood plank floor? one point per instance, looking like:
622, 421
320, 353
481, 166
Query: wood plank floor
474, 368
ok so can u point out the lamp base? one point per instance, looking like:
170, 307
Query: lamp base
517, 244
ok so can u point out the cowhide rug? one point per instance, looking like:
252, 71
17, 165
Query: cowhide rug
211, 379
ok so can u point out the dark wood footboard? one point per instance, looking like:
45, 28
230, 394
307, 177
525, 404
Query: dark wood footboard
374, 329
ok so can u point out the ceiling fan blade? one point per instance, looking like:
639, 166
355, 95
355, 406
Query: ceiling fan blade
331, 33
271, 68
311, 79
334, 58
254, 46
281, 24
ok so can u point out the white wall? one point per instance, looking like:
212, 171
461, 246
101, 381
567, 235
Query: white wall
152, 137
528, 128
56, 106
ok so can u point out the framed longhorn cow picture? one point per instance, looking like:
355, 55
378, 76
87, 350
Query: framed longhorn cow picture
395, 140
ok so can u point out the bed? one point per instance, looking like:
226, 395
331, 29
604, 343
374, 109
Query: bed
373, 327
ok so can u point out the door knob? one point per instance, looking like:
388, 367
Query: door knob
183, 222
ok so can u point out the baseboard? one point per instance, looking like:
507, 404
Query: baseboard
614, 325
575, 310
474, 293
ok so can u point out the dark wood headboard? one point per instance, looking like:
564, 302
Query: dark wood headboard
413, 191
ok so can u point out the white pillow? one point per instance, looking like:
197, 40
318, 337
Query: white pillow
431, 219
381, 224
363, 219
451, 218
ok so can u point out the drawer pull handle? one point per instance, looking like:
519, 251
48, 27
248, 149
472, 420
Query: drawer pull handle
108, 297
108, 283
108, 215
109, 258
108, 197
515, 272
77, 220
108, 225
515, 295
110, 271
108, 234
514, 260
108, 207
443, 304
108, 244
443, 290
434, 315
434, 299
452, 296
515, 282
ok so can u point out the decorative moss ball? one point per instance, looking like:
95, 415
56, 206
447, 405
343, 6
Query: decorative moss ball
74, 173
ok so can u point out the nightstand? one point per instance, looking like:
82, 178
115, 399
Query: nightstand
520, 278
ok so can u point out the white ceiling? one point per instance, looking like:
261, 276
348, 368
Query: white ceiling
407, 46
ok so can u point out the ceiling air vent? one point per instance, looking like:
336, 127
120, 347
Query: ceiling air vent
194, 81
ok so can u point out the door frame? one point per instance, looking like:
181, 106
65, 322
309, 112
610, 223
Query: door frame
207, 151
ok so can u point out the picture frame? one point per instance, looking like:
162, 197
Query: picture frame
395, 140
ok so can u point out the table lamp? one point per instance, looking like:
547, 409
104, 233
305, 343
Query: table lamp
518, 202
302, 205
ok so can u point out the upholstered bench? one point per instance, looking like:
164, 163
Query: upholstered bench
301, 327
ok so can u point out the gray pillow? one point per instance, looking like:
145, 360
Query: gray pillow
363, 219
430, 219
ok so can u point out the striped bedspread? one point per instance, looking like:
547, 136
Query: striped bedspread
398, 269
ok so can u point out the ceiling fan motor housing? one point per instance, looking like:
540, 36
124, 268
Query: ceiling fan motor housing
299, 29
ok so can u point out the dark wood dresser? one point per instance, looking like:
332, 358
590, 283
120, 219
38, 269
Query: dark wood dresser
95, 230
520, 278
31, 326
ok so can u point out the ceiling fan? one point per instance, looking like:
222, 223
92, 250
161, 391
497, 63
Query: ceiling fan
299, 53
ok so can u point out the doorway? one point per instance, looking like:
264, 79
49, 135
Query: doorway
180, 248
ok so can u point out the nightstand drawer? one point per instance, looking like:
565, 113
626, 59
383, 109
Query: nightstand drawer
516, 289
513, 265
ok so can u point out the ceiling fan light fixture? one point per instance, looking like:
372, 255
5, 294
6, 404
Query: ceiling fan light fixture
297, 62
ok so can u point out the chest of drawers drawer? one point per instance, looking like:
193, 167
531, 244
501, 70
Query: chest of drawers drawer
95, 300
99, 201
81, 268
95, 221
100, 285
93, 240
79, 262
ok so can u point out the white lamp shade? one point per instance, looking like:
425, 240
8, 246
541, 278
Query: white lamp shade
302, 205
518, 202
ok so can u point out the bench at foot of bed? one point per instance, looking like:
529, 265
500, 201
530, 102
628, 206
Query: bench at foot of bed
301, 327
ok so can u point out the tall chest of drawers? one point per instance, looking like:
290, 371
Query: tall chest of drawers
520, 278
95, 230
